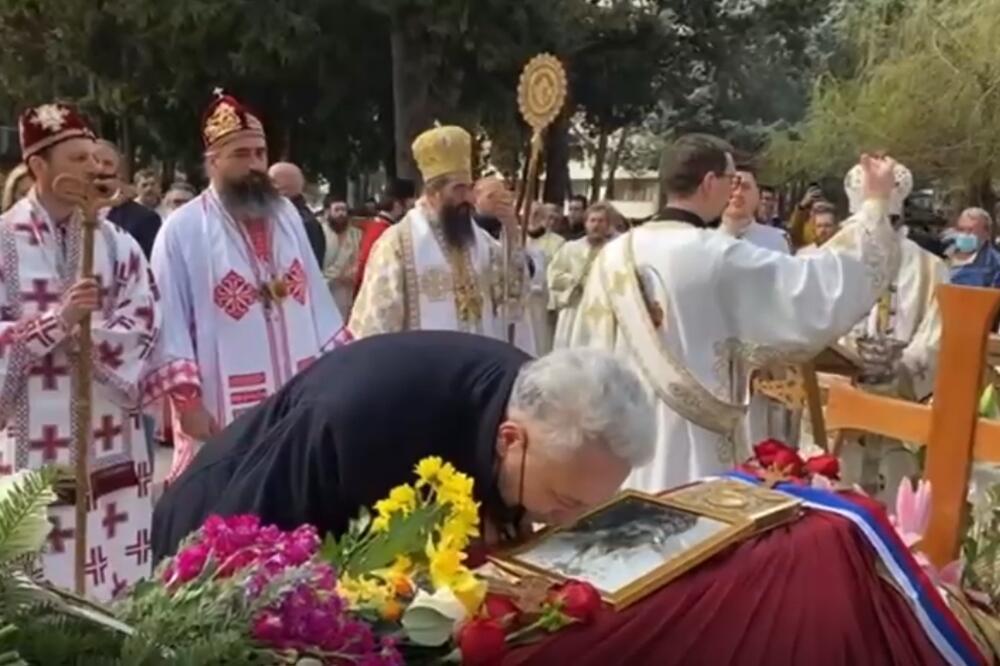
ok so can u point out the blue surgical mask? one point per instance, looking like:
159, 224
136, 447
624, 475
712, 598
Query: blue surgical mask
966, 243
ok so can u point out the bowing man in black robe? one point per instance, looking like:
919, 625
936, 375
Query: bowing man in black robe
347, 430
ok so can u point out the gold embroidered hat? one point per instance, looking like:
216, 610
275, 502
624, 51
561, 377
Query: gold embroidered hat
443, 151
42, 126
225, 119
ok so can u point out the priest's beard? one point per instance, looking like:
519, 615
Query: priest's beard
250, 196
536, 233
456, 224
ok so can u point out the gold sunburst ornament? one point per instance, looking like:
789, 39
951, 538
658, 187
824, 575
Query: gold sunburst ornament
541, 92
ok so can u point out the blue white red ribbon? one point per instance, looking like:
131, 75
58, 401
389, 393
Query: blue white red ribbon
941, 625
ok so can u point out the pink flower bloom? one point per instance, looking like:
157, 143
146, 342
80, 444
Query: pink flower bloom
190, 562
912, 511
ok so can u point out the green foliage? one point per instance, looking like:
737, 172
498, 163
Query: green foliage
24, 524
924, 86
360, 550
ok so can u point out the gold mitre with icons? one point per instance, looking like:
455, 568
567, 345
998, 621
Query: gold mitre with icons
443, 151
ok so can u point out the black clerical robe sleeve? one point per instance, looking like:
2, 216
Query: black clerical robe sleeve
284, 472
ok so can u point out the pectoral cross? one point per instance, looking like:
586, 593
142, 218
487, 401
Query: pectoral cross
951, 429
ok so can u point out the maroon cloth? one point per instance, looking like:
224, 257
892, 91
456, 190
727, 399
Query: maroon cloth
806, 593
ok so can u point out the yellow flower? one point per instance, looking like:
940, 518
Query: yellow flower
469, 590
427, 470
363, 591
380, 524
448, 571
445, 563
404, 497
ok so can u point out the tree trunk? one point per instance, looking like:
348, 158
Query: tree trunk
557, 182
609, 188
597, 176
410, 91
167, 170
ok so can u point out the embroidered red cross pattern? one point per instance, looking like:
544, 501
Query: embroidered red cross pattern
110, 355
59, 536
144, 472
40, 329
234, 295
107, 433
296, 278
140, 549
145, 314
118, 585
145, 345
112, 519
97, 565
36, 230
123, 322
40, 294
49, 371
153, 289
50, 443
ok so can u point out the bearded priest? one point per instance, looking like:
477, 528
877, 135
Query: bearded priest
245, 304
685, 303
437, 269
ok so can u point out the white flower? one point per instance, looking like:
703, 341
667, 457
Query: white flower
431, 619
50, 117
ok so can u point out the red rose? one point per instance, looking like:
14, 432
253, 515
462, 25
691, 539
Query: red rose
824, 465
766, 451
580, 601
482, 642
788, 463
502, 609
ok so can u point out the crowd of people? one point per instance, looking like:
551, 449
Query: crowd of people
552, 361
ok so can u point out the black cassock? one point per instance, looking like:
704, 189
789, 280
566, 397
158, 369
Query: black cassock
346, 431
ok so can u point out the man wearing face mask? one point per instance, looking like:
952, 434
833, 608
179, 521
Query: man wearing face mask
437, 269
246, 307
974, 262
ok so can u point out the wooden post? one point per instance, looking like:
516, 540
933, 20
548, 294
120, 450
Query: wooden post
967, 315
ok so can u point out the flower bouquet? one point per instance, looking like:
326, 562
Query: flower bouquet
395, 586
404, 569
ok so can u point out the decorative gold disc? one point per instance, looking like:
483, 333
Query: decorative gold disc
541, 92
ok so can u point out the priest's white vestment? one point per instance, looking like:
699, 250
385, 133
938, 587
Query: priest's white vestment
245, 308
39, 260
683, 303
567, 278
415, 281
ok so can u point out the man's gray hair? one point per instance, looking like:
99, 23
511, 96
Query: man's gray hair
981, 215
585, 396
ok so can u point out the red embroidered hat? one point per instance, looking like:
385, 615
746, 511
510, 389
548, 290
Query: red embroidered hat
226, 118
46, 125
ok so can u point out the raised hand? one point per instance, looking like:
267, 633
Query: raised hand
879, 176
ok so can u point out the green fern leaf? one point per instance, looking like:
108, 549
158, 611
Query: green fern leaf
24, 523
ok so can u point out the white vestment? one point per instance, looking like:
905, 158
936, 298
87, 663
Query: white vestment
39, 261
683, 303
567, 276
762, 235
239, 320
413, 281
766, 419
340, 266
542, 317
907, 311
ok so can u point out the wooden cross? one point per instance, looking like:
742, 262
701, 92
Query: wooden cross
951, 429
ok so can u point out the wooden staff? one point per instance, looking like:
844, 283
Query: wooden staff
91, 197
541, 95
